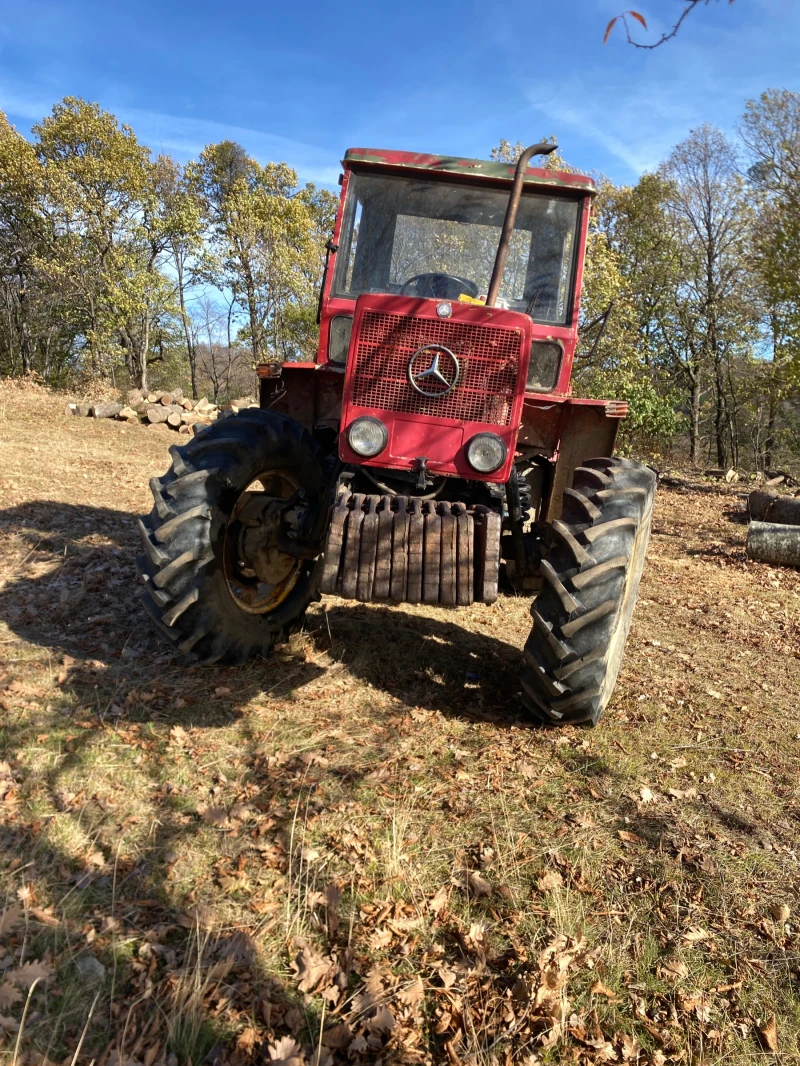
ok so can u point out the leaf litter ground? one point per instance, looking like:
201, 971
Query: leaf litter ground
359, 851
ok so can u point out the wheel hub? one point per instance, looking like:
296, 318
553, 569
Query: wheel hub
259, 574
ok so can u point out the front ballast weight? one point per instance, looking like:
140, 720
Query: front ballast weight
406, 550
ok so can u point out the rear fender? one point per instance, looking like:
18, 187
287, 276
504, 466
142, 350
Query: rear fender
568, 431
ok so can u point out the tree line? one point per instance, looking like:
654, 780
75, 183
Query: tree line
121, 266
691, 304
113, 260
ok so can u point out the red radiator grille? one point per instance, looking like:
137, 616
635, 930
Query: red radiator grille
489, 358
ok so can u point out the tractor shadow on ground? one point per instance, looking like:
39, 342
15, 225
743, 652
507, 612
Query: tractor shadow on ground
70, 587
424, 661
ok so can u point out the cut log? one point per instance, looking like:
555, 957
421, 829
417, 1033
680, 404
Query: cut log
184, 429
165, 398
177, 395
781, 477
128, 414
105, 410
768, 506
770, 542
155, 415
173, 419
152, 397
135, 396
188, 405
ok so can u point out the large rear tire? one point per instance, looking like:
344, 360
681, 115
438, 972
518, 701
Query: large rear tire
582, 615
200, 593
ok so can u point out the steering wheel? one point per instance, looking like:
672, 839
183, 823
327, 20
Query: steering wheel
438, 286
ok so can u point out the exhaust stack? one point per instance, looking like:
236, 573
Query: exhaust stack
542, 148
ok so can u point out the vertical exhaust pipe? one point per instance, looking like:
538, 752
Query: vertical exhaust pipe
511, 217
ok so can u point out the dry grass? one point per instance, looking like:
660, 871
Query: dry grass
358, 850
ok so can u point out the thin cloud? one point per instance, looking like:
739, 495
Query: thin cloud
186, 137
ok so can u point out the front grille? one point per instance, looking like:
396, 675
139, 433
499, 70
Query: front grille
489, 358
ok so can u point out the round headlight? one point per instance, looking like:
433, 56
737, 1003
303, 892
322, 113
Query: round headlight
367, 436
486, 453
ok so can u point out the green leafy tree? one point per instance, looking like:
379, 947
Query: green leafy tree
260, 232
771, 134
179, 224
623, 254
97, 188
711, 221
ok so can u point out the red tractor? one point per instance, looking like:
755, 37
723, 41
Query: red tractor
433, 451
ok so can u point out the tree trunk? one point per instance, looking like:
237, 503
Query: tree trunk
768, 506
720, 412
191, 352
772, 418
694, 432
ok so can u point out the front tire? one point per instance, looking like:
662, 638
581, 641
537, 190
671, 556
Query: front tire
202, 598
582, 615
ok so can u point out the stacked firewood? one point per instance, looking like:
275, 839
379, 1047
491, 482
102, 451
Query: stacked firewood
171, 409
773, 535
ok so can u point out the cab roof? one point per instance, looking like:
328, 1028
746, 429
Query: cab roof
470, 168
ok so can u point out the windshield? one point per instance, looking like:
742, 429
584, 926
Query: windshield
439, 239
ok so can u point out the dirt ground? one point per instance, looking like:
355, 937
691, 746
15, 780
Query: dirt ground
359, 851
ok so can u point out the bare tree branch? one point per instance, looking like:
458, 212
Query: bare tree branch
689, 6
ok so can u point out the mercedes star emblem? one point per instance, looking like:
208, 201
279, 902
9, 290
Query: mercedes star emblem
437, 379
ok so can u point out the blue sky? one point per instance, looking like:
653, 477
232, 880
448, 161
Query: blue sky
301, 82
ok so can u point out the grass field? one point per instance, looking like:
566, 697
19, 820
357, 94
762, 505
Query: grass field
359, 851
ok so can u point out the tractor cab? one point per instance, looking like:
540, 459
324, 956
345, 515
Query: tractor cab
429, 227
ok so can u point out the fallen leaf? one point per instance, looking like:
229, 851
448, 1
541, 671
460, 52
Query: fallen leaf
694, 934
673, 969
286, 1052
769, 1034
549, 880
45, 917
478, 885
682, 794
382, 1021
413, 994
439, 901
25, 975
599, 989
645, 795
780, 912
216, 816
380, 938
8, 995
311, 968
10, 918
247, 1040
339, 1036
630, 838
